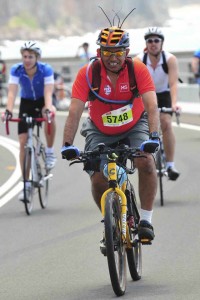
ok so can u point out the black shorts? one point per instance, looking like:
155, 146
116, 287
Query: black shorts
31, 108
164, 100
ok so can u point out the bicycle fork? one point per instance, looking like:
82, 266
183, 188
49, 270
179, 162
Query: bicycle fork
112, 175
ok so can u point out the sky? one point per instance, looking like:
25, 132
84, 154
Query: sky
182, 33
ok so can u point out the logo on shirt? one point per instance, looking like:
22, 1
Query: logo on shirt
107, 90
124, 87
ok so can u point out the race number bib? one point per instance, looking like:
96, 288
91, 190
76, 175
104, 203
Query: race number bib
118, 117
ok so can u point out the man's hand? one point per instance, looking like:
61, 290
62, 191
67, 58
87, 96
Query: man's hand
7, 115
70, 152
150, 146
49, 115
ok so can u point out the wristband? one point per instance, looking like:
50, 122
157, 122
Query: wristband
67, 144
154, 135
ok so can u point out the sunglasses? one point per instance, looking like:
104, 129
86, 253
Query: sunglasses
109, 53
150, 41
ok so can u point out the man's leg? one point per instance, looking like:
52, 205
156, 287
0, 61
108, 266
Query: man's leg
147, 181
169, 143
22, 142
50, 137
147, 192
168, 136
99, 185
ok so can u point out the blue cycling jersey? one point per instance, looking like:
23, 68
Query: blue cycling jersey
32, 89
197, 53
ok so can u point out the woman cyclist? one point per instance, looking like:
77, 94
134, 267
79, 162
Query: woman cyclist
37, 83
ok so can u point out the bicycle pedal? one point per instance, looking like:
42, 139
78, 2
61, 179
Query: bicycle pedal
24, 201
145, 241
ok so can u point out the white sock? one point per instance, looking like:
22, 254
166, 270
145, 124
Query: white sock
169, 164
146, 215
49, 150
28, 184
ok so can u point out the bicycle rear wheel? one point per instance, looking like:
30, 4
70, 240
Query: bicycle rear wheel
160, 174
44, 179
134, 254
115, 248
28, 178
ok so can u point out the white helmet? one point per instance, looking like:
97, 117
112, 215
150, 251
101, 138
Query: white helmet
154, 31
33, 46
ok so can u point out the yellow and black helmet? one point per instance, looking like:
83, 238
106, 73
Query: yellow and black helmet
113, 37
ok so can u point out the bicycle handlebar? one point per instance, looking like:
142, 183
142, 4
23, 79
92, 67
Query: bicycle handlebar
177, 112
28, 120
112, 153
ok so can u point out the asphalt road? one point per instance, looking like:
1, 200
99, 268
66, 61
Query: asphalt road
54, 253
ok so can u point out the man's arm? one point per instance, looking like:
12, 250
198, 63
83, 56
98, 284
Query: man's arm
173, 80
72, 122
195, 65
12, 94
151, 107
48, 92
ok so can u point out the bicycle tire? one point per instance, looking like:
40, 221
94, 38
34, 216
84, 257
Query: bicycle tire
28, 198
43, 181
160, 176
115, 247
134, 254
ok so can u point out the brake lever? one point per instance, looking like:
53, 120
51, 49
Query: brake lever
77, 161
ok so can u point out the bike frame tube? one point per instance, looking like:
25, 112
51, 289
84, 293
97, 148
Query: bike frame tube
33, 160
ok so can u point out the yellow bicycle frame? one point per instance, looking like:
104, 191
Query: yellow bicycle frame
112, 175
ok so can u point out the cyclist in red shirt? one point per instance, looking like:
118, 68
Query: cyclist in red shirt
110, 121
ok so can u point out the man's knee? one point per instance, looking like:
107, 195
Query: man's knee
146, 164
98, 179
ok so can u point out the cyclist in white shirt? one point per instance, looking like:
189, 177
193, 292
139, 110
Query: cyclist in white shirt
163, 68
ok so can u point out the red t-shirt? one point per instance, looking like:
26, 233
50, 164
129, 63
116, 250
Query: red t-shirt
114, 118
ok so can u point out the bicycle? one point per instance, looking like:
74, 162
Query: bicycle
161, 158
120, 212
34, 167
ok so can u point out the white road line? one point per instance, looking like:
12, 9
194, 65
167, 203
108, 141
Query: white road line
187, 126
11, 194
13, 147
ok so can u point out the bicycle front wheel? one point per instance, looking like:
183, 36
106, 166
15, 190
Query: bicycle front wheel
28, 188
115, 248
44, 179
